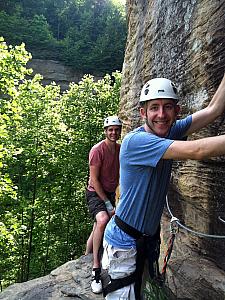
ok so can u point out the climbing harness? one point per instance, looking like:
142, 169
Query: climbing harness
143, 241
110, 285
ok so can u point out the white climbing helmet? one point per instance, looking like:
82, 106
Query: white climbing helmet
113, 120
158, 88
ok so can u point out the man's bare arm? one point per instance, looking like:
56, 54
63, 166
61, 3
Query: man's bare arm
94, 175
197, 150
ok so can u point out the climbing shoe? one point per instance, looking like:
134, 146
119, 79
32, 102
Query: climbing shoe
96, 284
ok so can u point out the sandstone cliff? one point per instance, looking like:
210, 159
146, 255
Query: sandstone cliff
184, 41
56, 71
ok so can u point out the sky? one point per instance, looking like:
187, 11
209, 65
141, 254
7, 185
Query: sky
121, 1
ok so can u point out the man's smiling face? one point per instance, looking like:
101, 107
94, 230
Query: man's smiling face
159, 115
113, 132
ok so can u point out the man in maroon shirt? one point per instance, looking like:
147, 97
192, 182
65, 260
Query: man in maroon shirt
100, 194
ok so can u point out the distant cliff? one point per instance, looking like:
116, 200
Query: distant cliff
56, 71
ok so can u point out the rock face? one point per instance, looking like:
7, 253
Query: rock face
52, 70
184, 41
70, 280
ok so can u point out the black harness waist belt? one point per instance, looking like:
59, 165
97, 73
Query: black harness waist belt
136, 234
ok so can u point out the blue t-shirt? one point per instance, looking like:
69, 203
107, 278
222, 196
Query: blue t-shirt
144, 179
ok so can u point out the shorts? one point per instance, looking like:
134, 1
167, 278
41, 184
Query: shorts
119, 263
95, 204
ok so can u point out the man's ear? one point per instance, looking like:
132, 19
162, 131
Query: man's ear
143, 112
177, 111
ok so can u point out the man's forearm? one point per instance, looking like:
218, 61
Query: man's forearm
197, 149
99, 190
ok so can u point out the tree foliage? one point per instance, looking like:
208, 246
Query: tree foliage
86, 34
45, 140
12, 70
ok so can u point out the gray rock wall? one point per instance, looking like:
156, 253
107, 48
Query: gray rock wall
55, 71
184, 41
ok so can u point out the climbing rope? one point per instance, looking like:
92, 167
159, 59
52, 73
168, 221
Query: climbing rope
192, 231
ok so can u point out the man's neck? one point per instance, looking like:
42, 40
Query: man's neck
111, 145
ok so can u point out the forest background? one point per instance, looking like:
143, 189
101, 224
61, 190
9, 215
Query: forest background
46, 135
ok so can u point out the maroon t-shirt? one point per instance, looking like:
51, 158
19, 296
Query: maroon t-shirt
101, 156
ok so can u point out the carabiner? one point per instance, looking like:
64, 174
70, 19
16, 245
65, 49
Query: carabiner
174, 228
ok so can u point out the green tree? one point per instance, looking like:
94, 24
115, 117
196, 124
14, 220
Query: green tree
96, 40
88, 35
46, 137
13, 71
35, 33
9, 6
31, 171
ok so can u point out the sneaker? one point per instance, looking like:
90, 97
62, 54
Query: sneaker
96, 284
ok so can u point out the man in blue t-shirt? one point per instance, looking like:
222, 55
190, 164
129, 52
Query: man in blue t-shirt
146, 157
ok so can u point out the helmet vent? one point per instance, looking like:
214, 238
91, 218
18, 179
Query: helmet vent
175, 90
146, 91
161, 91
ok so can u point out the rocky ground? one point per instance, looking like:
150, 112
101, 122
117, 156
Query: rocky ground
69, 280
191, 277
